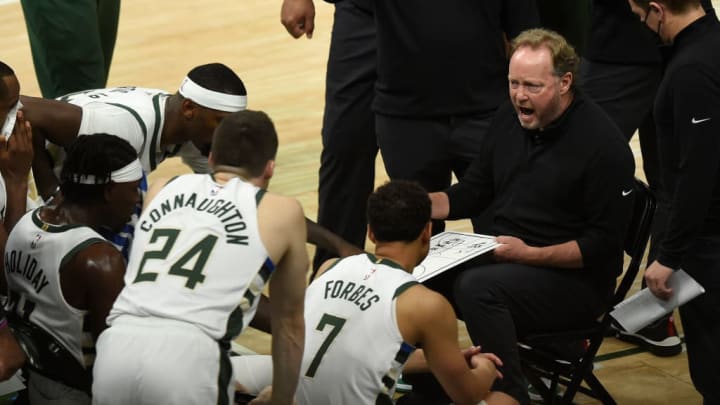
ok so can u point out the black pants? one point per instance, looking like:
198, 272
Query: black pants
701, 318
430, 150
347, 162
627, 93
503, 302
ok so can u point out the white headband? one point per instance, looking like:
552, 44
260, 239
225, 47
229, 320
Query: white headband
212, 99
132, 172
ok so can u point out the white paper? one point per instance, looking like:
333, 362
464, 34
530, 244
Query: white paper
448, 249
13, 384
643, 308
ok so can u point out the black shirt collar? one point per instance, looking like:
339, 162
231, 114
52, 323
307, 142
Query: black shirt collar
556, 128
695, 30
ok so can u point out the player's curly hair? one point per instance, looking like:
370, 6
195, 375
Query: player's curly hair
97, 155
398, 211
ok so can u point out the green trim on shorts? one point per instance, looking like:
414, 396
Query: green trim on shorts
224, 376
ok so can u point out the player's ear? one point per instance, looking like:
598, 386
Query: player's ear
269, 169
371, 235
188, 109
426, 232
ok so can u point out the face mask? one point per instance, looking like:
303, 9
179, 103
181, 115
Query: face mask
9, 124
656, 31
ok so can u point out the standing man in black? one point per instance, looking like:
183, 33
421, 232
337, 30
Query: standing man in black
347, 162
687, 118
621, 71
442, 73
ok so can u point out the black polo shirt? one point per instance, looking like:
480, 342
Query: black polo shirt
687, 116
440, 58
570, 181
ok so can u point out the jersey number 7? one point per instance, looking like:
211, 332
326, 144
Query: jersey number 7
337, 324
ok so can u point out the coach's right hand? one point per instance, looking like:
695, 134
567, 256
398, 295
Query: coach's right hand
298, 17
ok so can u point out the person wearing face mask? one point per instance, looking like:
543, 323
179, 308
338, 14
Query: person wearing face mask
687, 120
556, 175
621, 71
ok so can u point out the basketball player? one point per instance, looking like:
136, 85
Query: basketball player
15, 152
366, 314
62, 275
15, 159
157, 124
204, 247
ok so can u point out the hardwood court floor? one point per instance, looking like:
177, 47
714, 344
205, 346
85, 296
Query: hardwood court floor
159, 41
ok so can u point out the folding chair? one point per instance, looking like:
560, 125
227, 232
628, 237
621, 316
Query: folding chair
540, 363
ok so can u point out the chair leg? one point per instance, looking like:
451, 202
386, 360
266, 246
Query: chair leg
599, 390
547, 394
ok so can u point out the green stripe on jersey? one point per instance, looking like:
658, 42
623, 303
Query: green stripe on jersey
135, 115
156, 132
404, 288
80, 247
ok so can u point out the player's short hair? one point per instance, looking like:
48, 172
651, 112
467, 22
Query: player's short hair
95, 155
398, 211
5, 70
218, 77
676, 6
564, 57
246, 139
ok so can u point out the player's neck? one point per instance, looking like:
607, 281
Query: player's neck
171, 133
402, 253
223, 173
70, 214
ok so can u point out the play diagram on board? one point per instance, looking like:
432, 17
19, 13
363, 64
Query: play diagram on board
449, 249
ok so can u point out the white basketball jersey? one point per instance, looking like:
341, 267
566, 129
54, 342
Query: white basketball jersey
197, 257
136, 115
354, 352
34, 253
